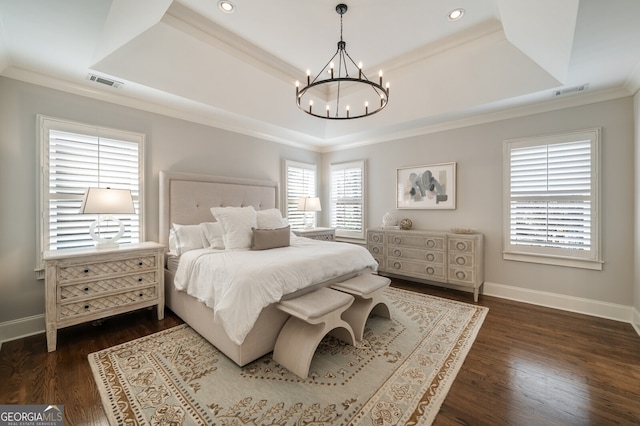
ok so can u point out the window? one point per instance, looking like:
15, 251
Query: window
347, 199
76, 156
552, 201
300, 181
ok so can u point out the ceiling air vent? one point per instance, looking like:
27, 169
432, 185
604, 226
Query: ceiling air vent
103, 80
570, 90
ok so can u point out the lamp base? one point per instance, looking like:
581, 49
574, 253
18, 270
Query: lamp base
106, 243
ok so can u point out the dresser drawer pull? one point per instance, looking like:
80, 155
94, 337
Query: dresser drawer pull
397, 252
86, 289
461, 260
375, 250
86, 271
375, 238
140, 279
431, 257
461, 275
431, 243
139, 263
397, 265
430, 270
461, 245
140, 294
86, 307
397, 240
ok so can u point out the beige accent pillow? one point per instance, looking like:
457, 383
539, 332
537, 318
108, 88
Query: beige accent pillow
264, 239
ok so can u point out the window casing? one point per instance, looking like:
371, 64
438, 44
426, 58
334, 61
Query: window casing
300, 181
551, 207
73, 157
348, 199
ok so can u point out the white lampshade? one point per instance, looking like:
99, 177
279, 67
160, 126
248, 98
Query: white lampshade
309, 204
106, 201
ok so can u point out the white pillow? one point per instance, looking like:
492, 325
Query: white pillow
213, 233
236, 225
270, 219
183, 238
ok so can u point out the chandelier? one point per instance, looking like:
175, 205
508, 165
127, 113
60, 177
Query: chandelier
333, 85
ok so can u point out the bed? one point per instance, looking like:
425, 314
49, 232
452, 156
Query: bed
187, 199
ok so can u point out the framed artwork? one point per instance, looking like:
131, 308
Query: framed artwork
426, 187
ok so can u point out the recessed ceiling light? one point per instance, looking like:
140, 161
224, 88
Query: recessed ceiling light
226, 6
456, 14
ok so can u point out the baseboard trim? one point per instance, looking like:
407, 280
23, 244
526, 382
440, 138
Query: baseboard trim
579, 305
636, 321
22, 327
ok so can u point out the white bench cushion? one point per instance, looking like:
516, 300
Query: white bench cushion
316, 304
363, 285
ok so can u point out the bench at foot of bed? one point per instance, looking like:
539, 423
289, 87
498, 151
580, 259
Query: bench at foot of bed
313, 315
368, 291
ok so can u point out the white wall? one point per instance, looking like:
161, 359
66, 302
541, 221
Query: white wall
170, 145
478, 152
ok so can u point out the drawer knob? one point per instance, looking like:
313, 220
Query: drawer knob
397, 252
397, 265
376, 250
140, 263
460, 275
431, 243
140, 279
86, 307
430, 270
431, 257
141, 294
86, 271
86, 289
460, 260
397, 240
461, 246
375, 238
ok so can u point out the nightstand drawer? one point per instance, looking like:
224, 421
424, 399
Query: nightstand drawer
98, 269
93, 288
75, 309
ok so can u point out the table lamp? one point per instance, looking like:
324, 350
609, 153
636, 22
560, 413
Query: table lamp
107, 202
309, 204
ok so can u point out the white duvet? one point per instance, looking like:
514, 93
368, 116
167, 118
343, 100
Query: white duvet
239, 284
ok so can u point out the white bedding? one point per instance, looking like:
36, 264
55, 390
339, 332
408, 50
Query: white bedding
239, 284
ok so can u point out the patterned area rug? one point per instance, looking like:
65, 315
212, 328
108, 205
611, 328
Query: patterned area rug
399, 374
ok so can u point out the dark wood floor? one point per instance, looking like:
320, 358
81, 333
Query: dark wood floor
528, 366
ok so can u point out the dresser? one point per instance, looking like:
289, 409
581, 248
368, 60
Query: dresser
325, 234
84, 285
430, 256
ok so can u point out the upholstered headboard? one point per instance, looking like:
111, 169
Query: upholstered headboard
187, 198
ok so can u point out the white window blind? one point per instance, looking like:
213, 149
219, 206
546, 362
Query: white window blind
552, 205
347, 199
300, 181
74, 157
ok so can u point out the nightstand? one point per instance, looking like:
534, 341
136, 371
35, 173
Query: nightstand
324, 234
83, 285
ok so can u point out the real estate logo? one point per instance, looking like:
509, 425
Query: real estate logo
31, 415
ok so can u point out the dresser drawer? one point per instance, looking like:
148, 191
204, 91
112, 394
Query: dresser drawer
119, 266
70, 310
417, 241
376, 250
416, 269
375, 237
94, 288
462, 245
461, 275
461, 259
416, 254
